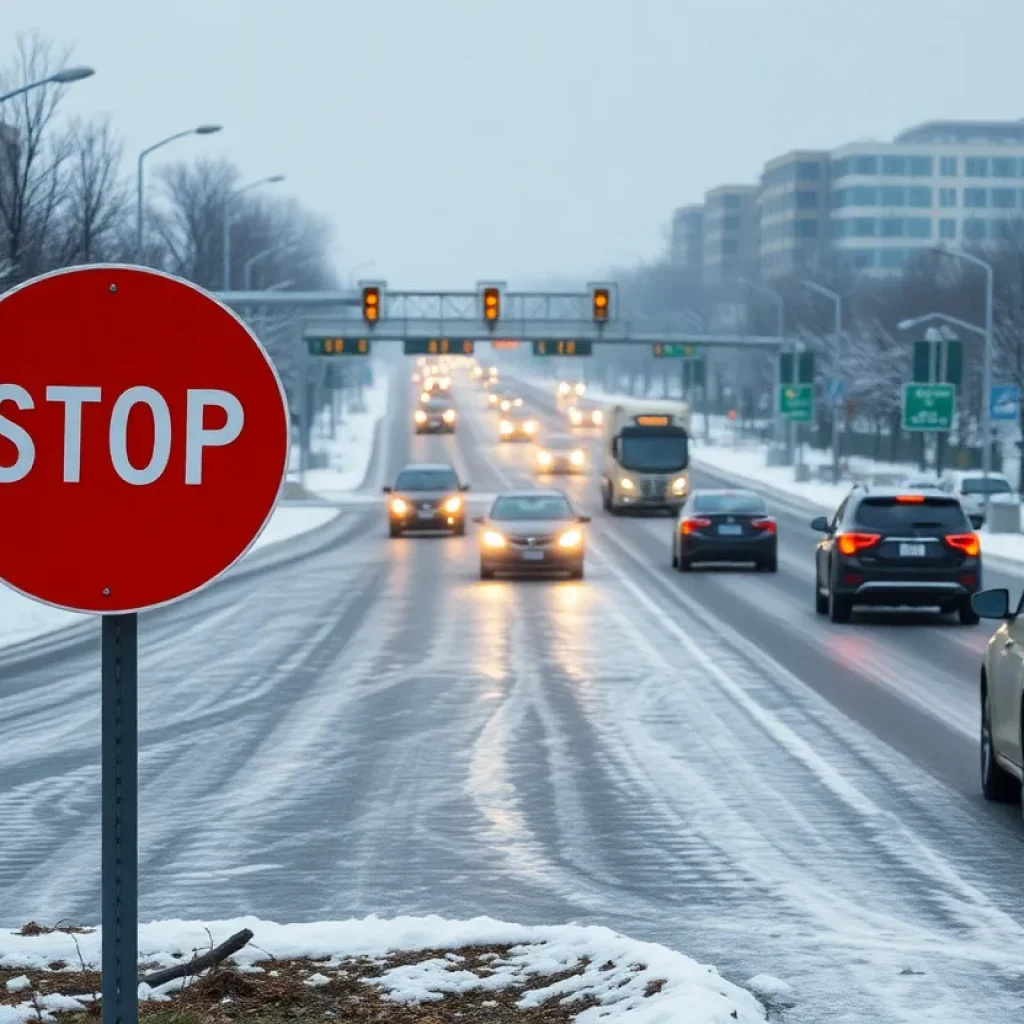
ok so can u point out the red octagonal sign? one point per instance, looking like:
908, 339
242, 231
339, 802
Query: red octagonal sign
143, 439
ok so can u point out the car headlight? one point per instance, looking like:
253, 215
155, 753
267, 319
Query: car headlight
563, 388
506, 405
570, 539
453, 505
449, 416
425, 396
576, 416
506, 427
544, 458
577, 458
420, 416
399, 507
493, 540
626, 484
597, 416
518, 402
679, 485
529, 426
492, 398
581, 389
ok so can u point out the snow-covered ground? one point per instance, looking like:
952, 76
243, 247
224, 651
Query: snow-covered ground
641, 982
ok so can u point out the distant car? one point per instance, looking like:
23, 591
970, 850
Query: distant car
725, 526
509, 400
585, 414
528, 532
561, 453
972, 488
570, 390
893, 548
517, 425
1002, 699
427, 496
435, 416
919, 483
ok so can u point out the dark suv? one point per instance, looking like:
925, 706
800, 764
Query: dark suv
888, 548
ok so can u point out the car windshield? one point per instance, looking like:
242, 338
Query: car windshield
427, 480
519, 414
887, 513
648, 452
562, 444
979, 485
729, 504
438, 405
543, 506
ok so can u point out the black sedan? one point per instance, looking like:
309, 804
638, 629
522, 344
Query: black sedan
531, 532
427, 496
725, 526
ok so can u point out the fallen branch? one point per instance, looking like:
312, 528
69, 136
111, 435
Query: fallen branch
199, 963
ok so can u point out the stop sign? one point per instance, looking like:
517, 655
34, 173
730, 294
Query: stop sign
143, 439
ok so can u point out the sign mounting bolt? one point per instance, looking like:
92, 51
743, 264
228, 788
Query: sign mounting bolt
113, 288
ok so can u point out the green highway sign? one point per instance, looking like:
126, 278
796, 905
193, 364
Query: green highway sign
796, 402
928, 406
666, 350
335, 346
562, 348
438, 347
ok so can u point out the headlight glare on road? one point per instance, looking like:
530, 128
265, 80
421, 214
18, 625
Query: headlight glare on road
626, 484
679, 485
398, 507
570, 539
577, 457
492, 539
453, 505
449, 416
544, 458
506, 427
420, 417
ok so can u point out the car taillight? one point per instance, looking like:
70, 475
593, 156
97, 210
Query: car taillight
851, 543
767, 524
968, 543
691, 525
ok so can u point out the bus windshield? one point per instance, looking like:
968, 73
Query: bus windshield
646, 451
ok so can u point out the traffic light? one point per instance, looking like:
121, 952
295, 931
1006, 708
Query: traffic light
492, 304
371, 304
599, 304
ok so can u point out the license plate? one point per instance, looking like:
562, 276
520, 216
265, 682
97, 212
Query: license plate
912, 551
429, 514
730, 531
533, 556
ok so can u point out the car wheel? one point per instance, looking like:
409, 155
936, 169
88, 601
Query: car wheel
486, 574
840, 608
577, 573
820, 599
459, 529
685, 565
394, 530
770, 564
968, 616
997, 784
675, 558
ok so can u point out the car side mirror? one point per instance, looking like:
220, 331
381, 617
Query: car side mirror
820, 524
464, 487
992, 604
479, 520
386, 490
583, 519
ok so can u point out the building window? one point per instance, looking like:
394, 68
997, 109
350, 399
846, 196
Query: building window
919, 197
806, 228
947, 228
806, 200
864, 227
947, 197
892, 259
919, 227
862, 259
807, 170
920, 166
894, 165
976, 167
1004, 167
840, 168
975, 198
947, 166
893, 195
865, 165
974, 229
863, 195
731, 222
1004, 198
731, 201
891, 227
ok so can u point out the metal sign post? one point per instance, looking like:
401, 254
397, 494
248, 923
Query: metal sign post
120, 818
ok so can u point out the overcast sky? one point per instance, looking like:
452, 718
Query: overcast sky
454, 140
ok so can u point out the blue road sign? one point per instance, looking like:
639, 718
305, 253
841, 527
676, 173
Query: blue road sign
835, 390
1004, 403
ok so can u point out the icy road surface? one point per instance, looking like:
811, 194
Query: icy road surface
697, 760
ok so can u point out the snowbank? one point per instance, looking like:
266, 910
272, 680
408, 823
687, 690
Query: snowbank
638, 982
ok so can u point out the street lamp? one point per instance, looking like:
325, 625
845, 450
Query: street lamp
252, 261
986, 370
203, 129
273, 179
62, 77
837, 418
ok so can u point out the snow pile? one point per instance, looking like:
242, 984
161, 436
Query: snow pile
639, 982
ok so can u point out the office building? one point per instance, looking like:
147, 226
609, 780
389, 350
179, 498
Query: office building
793, 214
686, 245
730, 233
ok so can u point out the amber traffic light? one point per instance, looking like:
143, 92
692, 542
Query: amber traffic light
600, 304
371, 304
492, 304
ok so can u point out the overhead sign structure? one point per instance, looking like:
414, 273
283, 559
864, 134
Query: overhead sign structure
144, 440
928, 407
1004, 403
562, 348
671, 350
796, 402
335, 346
504, 343
438, 347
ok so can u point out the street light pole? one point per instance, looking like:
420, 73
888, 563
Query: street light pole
273, 179
780, 309
203, 129
838, 420
62, 77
